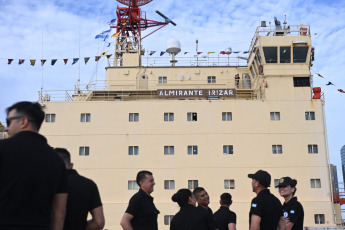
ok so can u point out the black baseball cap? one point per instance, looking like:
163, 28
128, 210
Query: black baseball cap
286, 181
263, 177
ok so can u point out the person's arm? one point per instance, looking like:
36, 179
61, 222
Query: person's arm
232, 226
126, 221
58, 211
255, 222
97, 222
281, 224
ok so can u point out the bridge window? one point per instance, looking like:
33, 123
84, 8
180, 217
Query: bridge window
270, 54
300, 54
285, 54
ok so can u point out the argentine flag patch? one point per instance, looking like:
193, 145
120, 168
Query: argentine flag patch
292, 211
254, 205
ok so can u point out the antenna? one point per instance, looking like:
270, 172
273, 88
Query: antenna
167, 20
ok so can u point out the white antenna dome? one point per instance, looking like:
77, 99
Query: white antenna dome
228, 51
173, 46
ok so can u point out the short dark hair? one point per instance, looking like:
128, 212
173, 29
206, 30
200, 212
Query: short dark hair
225, 198
64, 154
32, 110
141, 176
182, 197
197, 190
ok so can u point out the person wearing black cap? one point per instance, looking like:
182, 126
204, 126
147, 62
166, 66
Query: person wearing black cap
266, 210
292, 209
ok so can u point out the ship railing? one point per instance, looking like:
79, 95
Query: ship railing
291, 30
211, 60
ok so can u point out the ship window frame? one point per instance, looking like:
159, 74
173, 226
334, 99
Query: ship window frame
228, 149
168, 219
277, 149
192, 184
50, 117
313, 149
315, 183
133, 117
169, 150
275, 116
84, 151
301, 81
169, 184
192, 150
309, 115
132, 185
211, 79
226, 116
229, 184
85, 117
162, 80
271, 54
168, 116
192, 116
319, 218
287, 58
302, 52
133, 150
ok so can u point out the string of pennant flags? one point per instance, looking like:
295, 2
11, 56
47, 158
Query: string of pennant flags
330, 83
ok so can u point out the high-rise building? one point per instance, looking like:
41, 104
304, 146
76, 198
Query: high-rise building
334, 176
342, 154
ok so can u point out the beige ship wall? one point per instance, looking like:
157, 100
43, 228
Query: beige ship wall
251, 132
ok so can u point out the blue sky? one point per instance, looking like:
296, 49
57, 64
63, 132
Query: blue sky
47, 29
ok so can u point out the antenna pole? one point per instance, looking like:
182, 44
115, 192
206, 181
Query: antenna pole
197, 57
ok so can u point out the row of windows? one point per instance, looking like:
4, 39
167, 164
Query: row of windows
192, 116
193, 150
228, 184
299, 54
319, 219
164, 80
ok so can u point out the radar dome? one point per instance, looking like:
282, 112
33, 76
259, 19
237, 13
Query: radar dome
173, 46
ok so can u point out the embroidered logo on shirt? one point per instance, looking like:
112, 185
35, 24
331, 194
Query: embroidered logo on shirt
254, 205
286, 215
292, 211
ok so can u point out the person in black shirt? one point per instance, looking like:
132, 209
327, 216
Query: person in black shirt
189, 217
225, 219
203, 200
266, 210
292, 209
141, 213
83, 197
33, 180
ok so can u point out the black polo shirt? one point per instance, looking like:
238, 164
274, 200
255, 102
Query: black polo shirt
191, 218
268, 207
293, 211
31, 174
224, 217
210, 214
144, 212
83, 197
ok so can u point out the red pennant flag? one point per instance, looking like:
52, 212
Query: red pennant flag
65, 61
9, 61
21, 61
222, 52
341, 91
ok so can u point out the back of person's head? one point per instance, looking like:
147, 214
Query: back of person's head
65, 155
197, 190
141, 176
225, 199
182, 197
32, 110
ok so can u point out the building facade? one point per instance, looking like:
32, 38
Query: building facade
197, 125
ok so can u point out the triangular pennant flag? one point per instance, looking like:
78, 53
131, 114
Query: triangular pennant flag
97, 58
108, 44
65, 60
32, 62
86, 59
319, 75
106, 31
104, 53
185, 53
10, 61
199, 53
116, 34
222, 52
152, 52
236, 52
75, 60
43, 61
329, 83
341, 91
53, 61
210, 52
21, 61
112, 21
109, 55
102, 36
245, 52
162, 53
